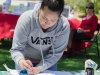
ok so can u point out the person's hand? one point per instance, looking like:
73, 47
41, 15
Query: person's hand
26, 64
80, 30
36, 70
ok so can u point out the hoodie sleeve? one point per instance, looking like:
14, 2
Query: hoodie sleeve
60, 43
20, 37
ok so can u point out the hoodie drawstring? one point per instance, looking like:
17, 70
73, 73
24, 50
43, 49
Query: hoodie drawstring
41, 49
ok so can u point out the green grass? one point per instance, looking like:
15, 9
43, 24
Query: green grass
5, 56
77, 62
65, 64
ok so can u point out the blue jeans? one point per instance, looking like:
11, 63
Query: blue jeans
54, 67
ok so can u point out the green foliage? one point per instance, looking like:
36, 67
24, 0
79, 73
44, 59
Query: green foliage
98, 15
97, 6
72, 3
80, 5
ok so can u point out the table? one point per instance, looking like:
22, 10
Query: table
48, 71
7, 24
82, 72
76, 72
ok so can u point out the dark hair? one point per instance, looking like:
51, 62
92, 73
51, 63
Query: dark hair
90, 4
53, 5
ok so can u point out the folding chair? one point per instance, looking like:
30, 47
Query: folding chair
93, 40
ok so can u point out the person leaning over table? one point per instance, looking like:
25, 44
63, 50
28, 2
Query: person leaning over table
40, 37
86, 30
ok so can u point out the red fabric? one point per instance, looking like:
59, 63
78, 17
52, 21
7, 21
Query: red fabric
90, 24
1, 24
74, 23
76, 45
7, 24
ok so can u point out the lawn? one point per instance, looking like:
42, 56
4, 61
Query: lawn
67, 64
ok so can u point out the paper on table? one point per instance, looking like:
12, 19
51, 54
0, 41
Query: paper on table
45, 74
14, 72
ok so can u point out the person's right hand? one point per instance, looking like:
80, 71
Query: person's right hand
26, 64
79, 30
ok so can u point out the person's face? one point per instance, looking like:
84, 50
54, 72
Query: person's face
47, 18
89, 9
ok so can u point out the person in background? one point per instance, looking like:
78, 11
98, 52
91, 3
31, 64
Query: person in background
40, 37
86, 30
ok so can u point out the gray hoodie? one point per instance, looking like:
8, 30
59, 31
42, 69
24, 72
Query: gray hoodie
30, 40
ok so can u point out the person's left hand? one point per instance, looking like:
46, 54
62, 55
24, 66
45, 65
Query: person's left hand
36, 70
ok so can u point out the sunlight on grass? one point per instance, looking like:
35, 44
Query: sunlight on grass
5, 58
70, 64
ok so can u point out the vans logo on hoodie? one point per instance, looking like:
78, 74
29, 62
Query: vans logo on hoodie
44, 41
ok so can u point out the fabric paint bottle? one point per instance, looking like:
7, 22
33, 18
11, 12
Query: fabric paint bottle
89, 71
